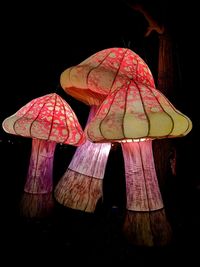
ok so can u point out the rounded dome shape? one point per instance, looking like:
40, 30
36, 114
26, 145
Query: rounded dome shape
121, 83
104, 72
48, 117
136, 111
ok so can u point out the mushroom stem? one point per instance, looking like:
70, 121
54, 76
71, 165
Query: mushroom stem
145, 221
81, 185
40, 173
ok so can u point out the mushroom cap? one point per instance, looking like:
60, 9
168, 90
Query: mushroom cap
136, 111
132, 107
102, 73
48, 117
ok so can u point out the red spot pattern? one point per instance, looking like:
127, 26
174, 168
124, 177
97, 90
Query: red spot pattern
48, 118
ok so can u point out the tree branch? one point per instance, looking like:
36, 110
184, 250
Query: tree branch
153, 25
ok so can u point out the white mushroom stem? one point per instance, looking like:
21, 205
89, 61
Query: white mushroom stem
145, 222
142, 189
81, 185
39, 179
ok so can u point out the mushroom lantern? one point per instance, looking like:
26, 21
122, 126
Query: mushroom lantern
81, 185
134, 113
48, 120
89, 82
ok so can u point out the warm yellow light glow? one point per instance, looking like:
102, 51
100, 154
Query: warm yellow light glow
134, 140
131, 107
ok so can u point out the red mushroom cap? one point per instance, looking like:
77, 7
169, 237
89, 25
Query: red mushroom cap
48, 117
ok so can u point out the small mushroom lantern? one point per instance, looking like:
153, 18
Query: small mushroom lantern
48, 120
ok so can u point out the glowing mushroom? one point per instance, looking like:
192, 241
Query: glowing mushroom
134, 108
135, 111
48, 120
81, 185
89, 82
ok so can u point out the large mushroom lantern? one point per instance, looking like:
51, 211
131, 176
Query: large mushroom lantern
134, 113
81, 185
48, 120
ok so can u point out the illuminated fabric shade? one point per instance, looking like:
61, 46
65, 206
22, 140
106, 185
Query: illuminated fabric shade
81, 185
48, 117
105, 71
132, 110
132, 107
48, 120
139, 167
88, 82
145, 221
